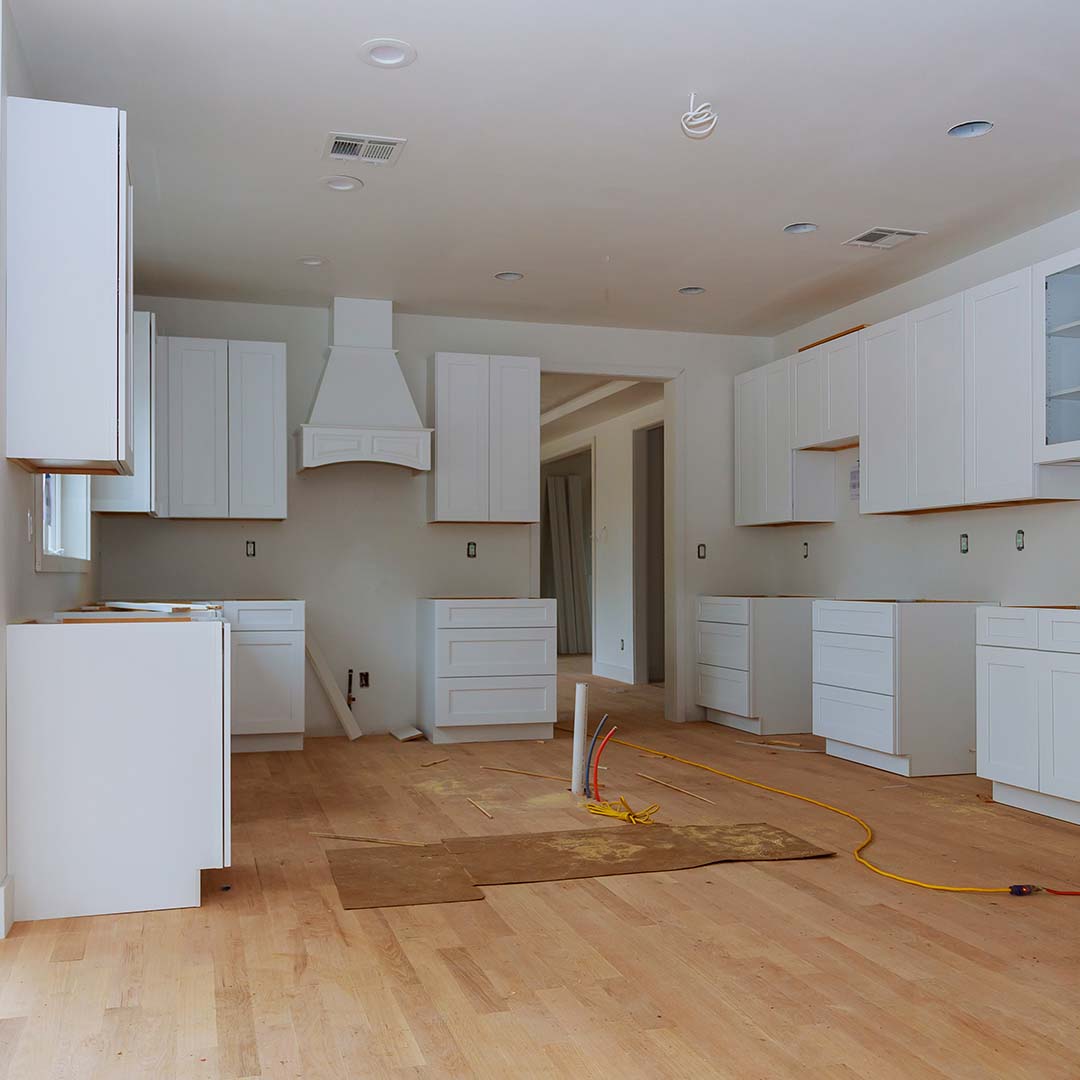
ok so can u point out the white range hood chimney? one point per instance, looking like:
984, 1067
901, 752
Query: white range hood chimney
363, 410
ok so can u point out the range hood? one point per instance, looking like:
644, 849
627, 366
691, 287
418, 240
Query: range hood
363, 410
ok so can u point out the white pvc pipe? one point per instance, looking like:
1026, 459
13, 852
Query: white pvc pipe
581, 724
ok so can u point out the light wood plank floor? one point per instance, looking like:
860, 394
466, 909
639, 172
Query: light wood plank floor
811, 969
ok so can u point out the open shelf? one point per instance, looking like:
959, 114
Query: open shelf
1070, 393
1069, 329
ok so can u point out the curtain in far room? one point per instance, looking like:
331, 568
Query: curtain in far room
569, 552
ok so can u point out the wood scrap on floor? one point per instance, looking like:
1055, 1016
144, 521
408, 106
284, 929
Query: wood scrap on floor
480, 808
783, 747
437, 761
407, 734
525, 772
664, 783
368, 839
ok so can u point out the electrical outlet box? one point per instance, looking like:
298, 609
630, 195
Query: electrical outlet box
470, 550
363, 680
805, 550
249, 549
622, 644
1019, 539
964, 546
701, 551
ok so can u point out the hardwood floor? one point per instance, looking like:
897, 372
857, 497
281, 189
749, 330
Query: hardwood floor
812, 969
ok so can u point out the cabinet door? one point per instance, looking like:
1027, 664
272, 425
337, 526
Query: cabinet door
135, 494
883, 419
749, 447
1007, 715
198, 428
935, 362
267, 682
778, 504
1059, 725
840, 389
807, 398
257, 437
514, 430
998, 390
462, 455
1055, 295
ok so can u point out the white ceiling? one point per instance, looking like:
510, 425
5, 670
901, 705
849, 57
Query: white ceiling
544, 138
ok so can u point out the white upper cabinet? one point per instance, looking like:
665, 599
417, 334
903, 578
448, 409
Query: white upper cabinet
935, 361
257, 434
487, 438
998, 375
774, 484
136, 494
1056, 297
69, 385
825, 394
883, 417
221, 429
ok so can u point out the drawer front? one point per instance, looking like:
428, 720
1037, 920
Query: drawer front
1015, 627
856, 661
723, 609
507, 651
484, 614
724, 645
509, 700
855, 617
856, 717
1059, 631
265, 614
723, 688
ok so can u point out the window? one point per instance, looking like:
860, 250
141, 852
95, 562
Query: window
62, 511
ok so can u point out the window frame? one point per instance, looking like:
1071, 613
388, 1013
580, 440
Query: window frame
45, 561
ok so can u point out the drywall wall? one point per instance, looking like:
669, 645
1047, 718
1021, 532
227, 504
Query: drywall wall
873, 555
613, 534
357, 545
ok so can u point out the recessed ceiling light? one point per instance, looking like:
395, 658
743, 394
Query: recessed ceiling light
311, 260
970, 129
509, 275
800, 227
343, 183
387, 52
692, 290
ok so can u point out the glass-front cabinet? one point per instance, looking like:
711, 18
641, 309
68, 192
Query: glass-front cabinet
1056, 298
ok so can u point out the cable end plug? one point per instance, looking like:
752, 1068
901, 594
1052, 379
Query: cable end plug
1023, 890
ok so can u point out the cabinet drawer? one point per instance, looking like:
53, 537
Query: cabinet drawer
1015, 627
505, 651
265, 614
723, 609
856, 717
450, 614
855, 617
1059, 631
856, 661
522, 699
724, 644
723, 688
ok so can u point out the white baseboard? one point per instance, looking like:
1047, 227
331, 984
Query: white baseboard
7, 905
1036, 802
862, 755
255, 744
613, 671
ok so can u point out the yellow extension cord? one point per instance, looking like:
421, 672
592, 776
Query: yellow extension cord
824, 806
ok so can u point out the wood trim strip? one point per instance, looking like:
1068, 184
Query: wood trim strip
833, 337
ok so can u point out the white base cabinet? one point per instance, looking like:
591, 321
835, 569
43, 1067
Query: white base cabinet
117, 764
753, 662
486, 669
1028, 707
893, 686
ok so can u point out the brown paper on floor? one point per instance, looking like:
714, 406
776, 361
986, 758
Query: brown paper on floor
637, 849
397, 876
450, 871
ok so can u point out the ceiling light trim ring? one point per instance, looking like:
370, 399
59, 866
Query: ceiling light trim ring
387, 53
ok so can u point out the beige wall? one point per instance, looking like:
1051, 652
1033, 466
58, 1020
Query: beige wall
874, 555
357, 546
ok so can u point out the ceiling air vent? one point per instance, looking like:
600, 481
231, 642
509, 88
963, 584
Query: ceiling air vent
883, 239
369, 149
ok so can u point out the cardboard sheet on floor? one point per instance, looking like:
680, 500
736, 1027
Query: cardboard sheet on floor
398, 876
633, 849
452, 870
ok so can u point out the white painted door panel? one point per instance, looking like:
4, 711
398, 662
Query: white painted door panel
883, 417
268, 682
522, 699
257, 436
1007, 715
462, 445
724, 689
506, 651
855, 661
840, 389
514, 464
723, 644
1015, 627
936, 404
1059, 725
198, 427
778, 504
508, 611
855, 717
998, 394
750, 447
807, 393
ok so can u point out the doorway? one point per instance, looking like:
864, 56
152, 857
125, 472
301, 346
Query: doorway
649, 562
